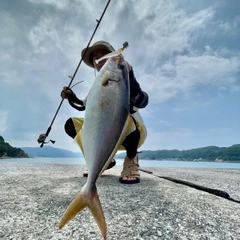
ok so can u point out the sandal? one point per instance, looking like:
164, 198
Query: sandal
130, 169
111, 165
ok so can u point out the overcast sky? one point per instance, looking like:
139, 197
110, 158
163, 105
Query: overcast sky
185, 55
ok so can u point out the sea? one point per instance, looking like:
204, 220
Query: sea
142, 163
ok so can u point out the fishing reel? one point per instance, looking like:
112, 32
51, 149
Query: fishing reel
41, 139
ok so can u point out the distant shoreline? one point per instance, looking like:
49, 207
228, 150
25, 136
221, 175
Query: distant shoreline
191, 160
145, 159
142, 162
14, 157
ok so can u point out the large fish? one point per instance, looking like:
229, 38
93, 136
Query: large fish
106, 124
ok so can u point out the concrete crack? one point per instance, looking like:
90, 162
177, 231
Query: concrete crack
213, 191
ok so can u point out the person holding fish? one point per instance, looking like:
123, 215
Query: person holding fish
138, 99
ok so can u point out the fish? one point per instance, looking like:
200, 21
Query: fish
107, 123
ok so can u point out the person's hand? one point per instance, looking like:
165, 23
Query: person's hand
65, 93
129, 66
120, 58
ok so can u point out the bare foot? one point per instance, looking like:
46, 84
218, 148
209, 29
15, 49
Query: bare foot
129, 178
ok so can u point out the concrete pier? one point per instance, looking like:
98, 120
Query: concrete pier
34, 196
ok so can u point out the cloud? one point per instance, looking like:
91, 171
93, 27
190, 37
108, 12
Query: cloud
186, 56
214, 69
60, 4
184, 73
168, 30
3, 121
167, 139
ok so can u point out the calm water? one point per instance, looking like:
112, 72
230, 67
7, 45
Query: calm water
143, 163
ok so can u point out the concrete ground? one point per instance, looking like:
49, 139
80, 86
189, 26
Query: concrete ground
34, 196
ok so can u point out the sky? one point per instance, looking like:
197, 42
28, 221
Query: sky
185, 55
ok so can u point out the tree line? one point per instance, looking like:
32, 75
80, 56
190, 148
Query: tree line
6, 150
210, 153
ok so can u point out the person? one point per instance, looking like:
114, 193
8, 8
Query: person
138, 99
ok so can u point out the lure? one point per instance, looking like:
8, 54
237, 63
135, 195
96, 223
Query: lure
113, 54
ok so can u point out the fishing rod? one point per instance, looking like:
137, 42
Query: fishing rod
42, 137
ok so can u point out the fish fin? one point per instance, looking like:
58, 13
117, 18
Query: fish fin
74, 208
128, 128
90, 200
96, 209
78, 140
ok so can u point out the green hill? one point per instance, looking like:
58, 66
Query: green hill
210, 153
6, 150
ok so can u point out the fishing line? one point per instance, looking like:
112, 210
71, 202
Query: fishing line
213, 191
43, 136
76, 84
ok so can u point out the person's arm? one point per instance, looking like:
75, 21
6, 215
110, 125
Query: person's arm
138, 98
73, 100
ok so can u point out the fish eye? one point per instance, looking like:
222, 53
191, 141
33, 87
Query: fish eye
120, 66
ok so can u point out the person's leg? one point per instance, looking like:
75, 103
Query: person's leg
131, 143
130, 173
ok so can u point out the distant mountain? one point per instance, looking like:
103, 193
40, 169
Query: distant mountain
48, 151
210, 153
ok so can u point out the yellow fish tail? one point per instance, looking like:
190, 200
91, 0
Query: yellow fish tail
90, 200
